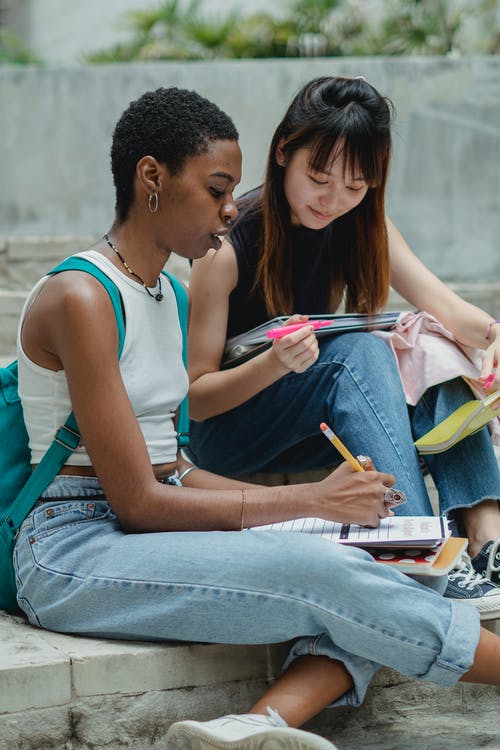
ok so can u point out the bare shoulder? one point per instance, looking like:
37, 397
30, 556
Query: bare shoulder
75, 295
71, 306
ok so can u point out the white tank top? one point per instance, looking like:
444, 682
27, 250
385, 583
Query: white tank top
151, 367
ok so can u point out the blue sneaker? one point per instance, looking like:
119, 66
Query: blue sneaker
487, 561
466, 585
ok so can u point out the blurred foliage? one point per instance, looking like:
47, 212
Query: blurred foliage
309, 28
13, 52
422, 27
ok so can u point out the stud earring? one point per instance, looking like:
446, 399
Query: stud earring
153, 202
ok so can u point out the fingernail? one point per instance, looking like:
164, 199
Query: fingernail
489, 380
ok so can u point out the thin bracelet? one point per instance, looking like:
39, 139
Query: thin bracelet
242, 510
186, 472
489, 327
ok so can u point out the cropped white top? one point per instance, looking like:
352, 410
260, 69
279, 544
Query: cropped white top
151, 367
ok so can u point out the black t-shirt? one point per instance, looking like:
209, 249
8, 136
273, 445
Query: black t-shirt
310, 258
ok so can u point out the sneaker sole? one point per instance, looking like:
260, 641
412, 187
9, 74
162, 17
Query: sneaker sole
188, 735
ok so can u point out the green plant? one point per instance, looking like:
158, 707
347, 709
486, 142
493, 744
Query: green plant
310, 15
420, 27
13, 51
158, 33
309, 28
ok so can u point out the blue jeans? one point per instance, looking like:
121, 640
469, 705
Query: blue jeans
78, 572
355, 387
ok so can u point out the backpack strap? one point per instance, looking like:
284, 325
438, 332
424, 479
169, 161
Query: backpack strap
82, 264
67, 437
182, 310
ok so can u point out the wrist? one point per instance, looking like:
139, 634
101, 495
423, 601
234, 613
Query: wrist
492, 328
278, 368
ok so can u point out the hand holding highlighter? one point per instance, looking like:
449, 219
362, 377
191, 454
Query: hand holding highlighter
278, 333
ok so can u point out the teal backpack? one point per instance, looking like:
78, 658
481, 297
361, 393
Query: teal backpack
20, 487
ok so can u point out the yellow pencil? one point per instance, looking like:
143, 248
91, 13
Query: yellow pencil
329, 433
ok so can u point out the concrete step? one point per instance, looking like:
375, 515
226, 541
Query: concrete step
60, 692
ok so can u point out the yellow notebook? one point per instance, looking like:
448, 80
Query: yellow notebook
464, 421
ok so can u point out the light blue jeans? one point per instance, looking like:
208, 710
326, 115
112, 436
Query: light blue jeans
78, 572
355, 387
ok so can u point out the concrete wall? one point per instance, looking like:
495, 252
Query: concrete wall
444, 192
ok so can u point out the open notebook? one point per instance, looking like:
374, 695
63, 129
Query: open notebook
464, 421
394, 531
418, 545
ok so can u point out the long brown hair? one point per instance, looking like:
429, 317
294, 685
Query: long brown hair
332, 116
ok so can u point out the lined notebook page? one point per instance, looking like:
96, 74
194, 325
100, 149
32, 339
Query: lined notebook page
393, 531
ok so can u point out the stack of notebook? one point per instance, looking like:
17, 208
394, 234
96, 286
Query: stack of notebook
418, 545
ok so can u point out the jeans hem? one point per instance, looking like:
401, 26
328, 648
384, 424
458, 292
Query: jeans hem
449, 665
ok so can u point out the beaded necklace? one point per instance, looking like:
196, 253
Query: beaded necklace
158, 296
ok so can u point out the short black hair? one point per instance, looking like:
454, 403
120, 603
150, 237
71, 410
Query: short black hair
170, 124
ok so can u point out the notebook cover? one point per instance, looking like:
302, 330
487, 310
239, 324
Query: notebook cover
464, 421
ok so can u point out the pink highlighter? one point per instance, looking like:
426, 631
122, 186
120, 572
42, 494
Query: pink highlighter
489, 380
278, 333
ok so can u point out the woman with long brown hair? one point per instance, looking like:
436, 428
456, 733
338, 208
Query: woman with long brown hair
313, 236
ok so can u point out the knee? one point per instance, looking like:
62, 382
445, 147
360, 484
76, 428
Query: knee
369, 346
361, 349
314, 562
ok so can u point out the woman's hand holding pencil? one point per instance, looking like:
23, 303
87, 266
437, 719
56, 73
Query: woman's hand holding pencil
392, 497
354, 492
351, 496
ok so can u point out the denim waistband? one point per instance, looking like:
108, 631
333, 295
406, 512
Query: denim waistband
70, 486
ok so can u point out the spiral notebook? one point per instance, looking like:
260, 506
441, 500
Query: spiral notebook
417, 545
393, 531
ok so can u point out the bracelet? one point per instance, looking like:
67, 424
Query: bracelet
242, 510
489, 327
186, 472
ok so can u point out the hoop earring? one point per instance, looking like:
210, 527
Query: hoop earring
153, 209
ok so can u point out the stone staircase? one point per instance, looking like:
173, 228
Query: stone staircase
59, 692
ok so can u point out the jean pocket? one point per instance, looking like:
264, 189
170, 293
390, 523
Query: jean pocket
53, 517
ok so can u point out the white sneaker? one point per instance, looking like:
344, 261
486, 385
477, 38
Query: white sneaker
243, 732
